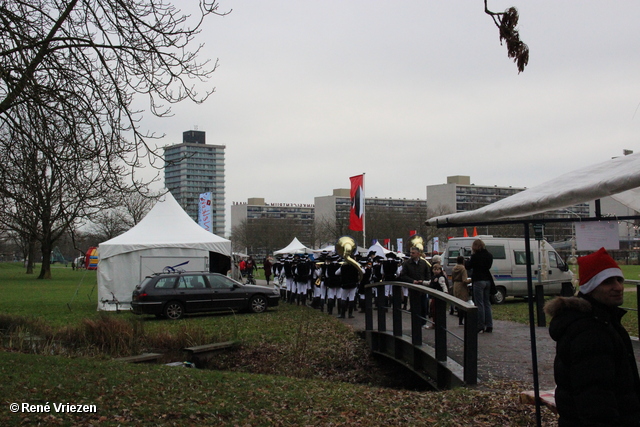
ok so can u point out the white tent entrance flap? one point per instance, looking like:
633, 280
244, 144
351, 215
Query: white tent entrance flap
166, 238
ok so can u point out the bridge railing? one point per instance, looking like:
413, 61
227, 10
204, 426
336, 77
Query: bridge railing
441, 370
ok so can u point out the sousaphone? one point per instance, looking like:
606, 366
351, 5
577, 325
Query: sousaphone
346, 248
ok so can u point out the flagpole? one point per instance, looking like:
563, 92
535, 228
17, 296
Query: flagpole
364, 214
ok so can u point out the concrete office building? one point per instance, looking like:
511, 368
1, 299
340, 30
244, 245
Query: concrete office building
268, 223
194, 167
257, 209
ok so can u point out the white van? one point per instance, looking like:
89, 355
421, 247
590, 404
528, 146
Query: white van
509, 265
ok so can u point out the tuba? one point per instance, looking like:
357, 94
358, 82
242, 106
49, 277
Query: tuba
417, 241
346, 247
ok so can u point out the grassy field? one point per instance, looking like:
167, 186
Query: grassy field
516, 309
294, 366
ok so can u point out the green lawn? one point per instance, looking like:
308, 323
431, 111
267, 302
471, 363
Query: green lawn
293, 366
517, 309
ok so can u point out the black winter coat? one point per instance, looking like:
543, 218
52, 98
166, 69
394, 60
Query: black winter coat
595, 368
480, 262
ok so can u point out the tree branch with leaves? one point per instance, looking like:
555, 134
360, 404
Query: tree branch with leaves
507, 22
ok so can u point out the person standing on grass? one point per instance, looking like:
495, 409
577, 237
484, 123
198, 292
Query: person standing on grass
597, 381
266, 265
480, 263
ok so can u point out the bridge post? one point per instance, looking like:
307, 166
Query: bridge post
382, 315
397, 311
368, 309
441, 329
470, 363
415, 299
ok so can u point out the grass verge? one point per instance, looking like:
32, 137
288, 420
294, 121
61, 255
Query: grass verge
159, 395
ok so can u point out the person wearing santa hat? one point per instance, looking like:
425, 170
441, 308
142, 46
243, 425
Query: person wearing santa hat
597, 382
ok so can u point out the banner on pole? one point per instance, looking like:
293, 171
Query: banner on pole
356, 214
205, 217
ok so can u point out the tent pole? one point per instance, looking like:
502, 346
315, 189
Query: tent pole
532, 327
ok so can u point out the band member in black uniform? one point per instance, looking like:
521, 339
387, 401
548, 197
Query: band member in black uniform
287, 265
332, 282
367, 265
349, 279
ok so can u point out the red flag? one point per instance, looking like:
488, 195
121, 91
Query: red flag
356, 215
465, 234
412, 233
387, 242
475, 232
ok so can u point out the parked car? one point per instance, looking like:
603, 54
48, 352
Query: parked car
172, 295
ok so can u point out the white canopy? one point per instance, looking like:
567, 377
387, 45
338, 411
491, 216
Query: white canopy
295, 247
611, 178
378, 249
329, 248
167, 225
166, 237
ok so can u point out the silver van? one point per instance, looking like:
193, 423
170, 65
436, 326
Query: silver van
509, 265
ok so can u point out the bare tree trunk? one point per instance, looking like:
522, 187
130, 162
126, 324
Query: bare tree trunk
45, 269
31, 255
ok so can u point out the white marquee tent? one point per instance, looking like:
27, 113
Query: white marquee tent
295, 247
379, 249
166, 237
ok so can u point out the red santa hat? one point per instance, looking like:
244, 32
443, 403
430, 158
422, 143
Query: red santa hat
595, 268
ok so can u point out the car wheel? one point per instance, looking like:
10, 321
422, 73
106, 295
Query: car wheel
258, 304
173, 310
499, 297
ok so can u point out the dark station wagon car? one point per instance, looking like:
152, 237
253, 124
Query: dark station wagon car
172, 295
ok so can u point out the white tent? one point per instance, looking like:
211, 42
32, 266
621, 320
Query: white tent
616, 177
295, 247
166, 237
329, 248
378, 249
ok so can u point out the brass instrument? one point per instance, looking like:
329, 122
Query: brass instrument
345, 247
417, 241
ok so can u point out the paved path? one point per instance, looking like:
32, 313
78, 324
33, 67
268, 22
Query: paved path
504, 354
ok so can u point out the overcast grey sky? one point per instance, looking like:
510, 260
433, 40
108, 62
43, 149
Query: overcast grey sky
410, 92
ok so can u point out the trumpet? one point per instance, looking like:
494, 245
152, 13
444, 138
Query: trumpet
346, 247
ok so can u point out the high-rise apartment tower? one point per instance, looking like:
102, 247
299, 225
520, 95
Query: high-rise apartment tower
194, 167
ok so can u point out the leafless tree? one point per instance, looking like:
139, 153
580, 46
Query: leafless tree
46, 186
265, 235
69, 73
136, 205
94, 56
